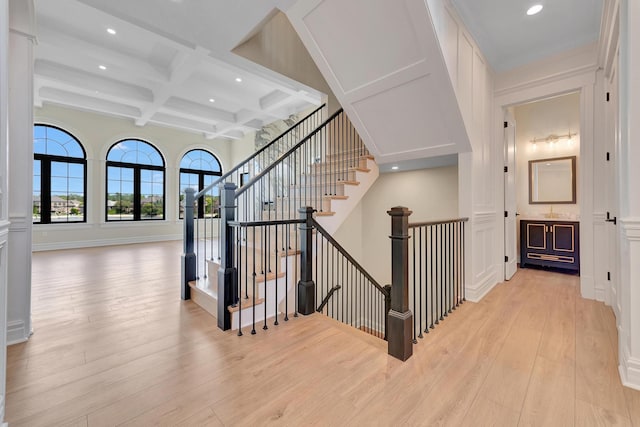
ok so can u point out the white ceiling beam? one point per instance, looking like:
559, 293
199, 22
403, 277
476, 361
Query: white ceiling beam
182, 106
87, 103
183, 123
88, 81
182, 67
273, 99
54, 44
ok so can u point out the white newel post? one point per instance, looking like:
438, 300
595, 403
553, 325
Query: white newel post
20, 176
629, 179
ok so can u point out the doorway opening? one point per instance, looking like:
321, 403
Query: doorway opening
542, 198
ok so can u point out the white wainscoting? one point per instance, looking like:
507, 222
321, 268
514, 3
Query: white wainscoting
602, 285
104, 242
629, 299
484, 268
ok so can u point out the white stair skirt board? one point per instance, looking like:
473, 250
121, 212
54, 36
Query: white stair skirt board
355, 193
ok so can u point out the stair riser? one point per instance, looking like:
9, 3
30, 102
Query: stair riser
246, 314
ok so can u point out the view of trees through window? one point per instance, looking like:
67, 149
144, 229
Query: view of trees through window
135, 182
198, 169
59, 176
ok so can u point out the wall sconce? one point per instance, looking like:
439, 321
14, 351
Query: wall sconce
553, 138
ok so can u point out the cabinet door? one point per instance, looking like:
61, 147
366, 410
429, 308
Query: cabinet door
536, 237
563, 238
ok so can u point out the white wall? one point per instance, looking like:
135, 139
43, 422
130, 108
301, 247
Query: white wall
98, 133
555, 116
4, 219
432, 194
21, 41
629, 176
480, 176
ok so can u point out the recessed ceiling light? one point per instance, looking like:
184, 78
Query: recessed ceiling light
102, 67
212, 100
394, 168
111, 31
534, 9
238, 79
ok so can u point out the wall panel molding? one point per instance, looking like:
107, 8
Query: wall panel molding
105, 242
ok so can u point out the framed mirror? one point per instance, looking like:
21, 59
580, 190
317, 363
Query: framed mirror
552, 181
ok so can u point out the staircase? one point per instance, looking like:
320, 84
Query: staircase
330, 170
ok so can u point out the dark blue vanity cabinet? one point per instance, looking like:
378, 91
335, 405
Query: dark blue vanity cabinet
550, 244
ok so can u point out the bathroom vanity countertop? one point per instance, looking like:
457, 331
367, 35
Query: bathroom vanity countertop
542, 218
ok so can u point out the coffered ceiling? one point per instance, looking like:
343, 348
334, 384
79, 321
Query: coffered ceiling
169, 63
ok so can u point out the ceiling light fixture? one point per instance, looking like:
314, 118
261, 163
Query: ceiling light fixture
111, 31
394, 168
212, 100
536, 8
553, 138
239, 80
102, 67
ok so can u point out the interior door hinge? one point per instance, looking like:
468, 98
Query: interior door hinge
608, 96
614, 220
506, 169
506, 125
506, 259
608, 156
609, 275
506, 214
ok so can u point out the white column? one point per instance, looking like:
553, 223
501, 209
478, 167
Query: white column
629, 177
21, 41
4, 223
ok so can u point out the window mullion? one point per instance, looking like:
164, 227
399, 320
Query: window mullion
203, 201
137, 208
45, 191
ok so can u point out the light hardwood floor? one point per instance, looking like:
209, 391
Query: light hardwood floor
114, 345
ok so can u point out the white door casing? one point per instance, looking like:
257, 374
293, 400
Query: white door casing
510, 223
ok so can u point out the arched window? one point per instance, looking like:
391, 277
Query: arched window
59, 176
135, 182
198, 169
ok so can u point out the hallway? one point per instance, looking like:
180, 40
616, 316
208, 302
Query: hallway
114, 344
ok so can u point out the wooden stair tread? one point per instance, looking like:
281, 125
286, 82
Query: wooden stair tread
325, 213
260, 278
349, 182
358, 169
289, 252
336, 197
246, 303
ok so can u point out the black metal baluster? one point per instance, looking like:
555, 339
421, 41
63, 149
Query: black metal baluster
286, 275
265, 270
239, 270
450, 268
464, 287
277, 263
253, 296
420, 287
445, 254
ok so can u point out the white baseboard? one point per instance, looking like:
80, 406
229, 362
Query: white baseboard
600, 295
477, 292
588, 288
104, 242
629, 369
2, 411
17, 332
